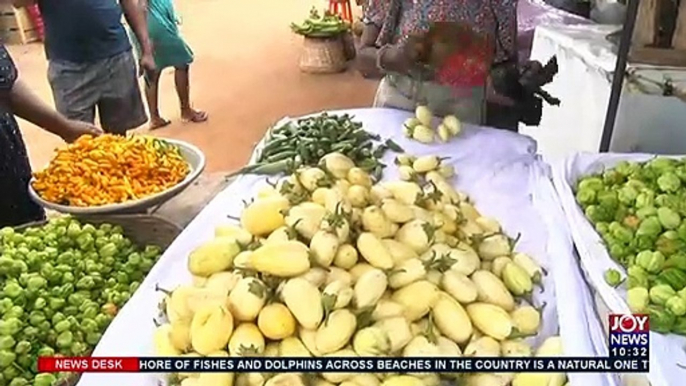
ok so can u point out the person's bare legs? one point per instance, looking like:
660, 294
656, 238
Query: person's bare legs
182, 82
151, 92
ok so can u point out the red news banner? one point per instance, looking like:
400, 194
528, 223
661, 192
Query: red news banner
88, 365
624, 364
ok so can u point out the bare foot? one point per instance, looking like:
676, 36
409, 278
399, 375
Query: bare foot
194, 116
158, 122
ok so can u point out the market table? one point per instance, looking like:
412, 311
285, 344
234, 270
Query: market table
498, 169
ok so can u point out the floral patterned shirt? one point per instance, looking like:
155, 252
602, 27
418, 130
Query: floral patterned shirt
16, 206
400, 18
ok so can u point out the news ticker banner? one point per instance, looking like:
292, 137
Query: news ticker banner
628, 346
346, 365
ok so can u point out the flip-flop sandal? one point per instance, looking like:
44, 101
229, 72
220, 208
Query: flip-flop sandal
198, 116
160, 125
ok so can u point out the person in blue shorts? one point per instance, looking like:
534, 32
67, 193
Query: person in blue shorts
170, 50
92, 68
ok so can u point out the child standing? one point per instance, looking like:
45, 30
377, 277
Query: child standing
170, 50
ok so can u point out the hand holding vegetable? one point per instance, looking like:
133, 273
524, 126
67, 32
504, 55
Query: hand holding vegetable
72, 130
402, 58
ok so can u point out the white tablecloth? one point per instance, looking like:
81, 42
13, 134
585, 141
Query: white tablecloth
666, 351
646, 122
498, 169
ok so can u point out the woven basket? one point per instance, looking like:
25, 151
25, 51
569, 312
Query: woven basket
322, 55
141, 229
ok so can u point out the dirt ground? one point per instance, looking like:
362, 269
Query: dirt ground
245, 76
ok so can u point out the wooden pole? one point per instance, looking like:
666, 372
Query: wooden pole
618, 76
679, 39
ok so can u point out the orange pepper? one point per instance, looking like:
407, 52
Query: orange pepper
110, 169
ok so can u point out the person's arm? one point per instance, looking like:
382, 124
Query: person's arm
25, 104
136, 17
367, 54
375, 57
375, 11
505, 13
399, 58
143, 4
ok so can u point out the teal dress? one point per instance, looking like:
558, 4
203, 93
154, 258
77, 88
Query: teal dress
170, 50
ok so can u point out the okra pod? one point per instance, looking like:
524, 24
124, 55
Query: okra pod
379, 151
394, 146
346, 133
360, 135
276, 146
347, 142
365, 145
345, 149
273, 167
286, 154
304, 141
304, 153
324, 143
244, 170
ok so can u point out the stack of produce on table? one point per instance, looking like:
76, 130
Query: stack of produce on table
62, 283
305, 141
639, 211
321, 26
420, 127
110, 169
337, 265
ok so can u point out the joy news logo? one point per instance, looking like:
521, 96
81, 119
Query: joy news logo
627, 330
628, 323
